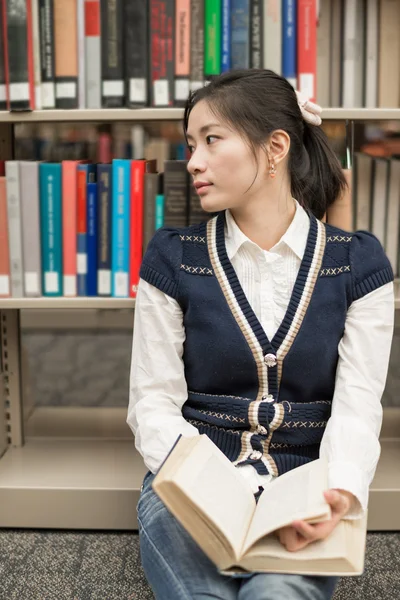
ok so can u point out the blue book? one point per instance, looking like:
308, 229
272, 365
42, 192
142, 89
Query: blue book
86, 173
226, 36
104, 194
92, 239
289, 41
159, 213
121, 179
51, 228
240, 34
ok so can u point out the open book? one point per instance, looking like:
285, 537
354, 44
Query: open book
214, 503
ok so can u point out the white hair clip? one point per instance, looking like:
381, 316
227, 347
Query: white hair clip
310, 111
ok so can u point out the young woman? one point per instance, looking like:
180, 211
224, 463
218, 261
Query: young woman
263, 328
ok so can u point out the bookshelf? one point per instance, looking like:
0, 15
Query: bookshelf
171, 114
77, 468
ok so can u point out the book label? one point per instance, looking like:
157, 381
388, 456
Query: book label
19, 91
4, 285
81, 263
104, 281
137, 90
121, 284
181, 89
66, 89
31, 283
51, 282
48, 95
69, 285
161, 92
113, 88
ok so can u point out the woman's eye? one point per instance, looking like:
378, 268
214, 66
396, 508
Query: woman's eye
190, 149
209, 138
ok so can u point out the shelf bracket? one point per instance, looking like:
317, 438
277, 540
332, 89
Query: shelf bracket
10, 344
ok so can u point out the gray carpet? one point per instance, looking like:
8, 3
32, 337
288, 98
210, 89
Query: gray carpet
63, 565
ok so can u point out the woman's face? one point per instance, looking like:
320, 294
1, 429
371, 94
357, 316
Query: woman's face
223, 162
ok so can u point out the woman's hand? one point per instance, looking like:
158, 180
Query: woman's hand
299, 534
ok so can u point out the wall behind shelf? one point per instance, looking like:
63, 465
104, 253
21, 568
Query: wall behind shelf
84, 368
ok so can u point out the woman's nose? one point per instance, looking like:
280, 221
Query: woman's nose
196, 163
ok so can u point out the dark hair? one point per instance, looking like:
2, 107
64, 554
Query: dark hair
256, 102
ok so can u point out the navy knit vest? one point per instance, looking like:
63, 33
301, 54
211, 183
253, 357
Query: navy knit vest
262, 402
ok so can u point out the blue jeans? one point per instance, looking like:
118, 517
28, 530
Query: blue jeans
177, 569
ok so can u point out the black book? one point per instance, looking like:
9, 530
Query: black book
112, 53
136, 53
17, 54
47, 70
3, 89
176, 191
256, 34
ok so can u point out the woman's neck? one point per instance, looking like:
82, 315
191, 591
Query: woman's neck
264, 223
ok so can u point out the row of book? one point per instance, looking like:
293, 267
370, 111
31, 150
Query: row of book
376, 200
115, 53
80, 229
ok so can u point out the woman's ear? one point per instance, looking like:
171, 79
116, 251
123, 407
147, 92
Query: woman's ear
279, 145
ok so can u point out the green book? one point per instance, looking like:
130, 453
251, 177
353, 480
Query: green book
212, 38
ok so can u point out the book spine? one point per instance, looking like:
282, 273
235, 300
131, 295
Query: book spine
30, 213
136, 53
182, 51
137, 223
389, 53
323, 55
66, 53
240, 34
92, 220
3, 91
31, 66
226, 36
93, 53
69, 224
336, 53
14, 228
85, 175
212, 38
150, 194
256, 34
307, 47
196, 212
273, 36
112, 55
47, 64
176, 193
18, 67
120, 227
50, 212
352, 88
161, 52
5, 284
104, 230
159, 216
289, 41
371, 54
81, 40
196, 44
36, 55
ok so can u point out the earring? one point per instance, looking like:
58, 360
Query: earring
272, 170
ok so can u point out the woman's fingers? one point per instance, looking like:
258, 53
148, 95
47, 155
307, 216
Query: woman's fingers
339, 503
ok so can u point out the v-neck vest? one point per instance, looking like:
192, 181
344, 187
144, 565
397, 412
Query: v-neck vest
263, 402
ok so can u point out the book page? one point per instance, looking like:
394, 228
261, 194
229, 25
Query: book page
213, 485
295, 495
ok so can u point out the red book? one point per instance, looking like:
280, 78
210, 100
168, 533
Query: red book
307, 47
138, 169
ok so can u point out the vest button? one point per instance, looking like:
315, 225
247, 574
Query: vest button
270, 360
261, 429
268, 398
256, 455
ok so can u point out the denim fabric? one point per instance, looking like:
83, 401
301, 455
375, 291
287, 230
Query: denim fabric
177, 569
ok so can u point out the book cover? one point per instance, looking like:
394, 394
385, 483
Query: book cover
389, 54
353, 54
81, 40
182, 52
69, 174
14, 228
307, 47
30, 212
92, 221
336, 53
226, 35
162, 59
256, 34
93, 54
5, 284
19, 75
104, 190
371, 53
289, 41
51, 229
66, 53
159, 203
3, 90
240, 34
212, 38
112, 54
37, 67
324, 58
85, 174
138, 170
196, 45
136, 24
176, 189
273, 35
47, 51
120, 238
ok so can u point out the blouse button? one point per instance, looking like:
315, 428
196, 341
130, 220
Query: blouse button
270, 360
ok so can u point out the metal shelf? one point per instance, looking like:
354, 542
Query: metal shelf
171, 114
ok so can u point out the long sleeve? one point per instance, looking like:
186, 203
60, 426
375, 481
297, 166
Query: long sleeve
351, 439
157, 381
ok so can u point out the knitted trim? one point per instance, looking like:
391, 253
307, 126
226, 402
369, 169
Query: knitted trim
373, 282
159, 281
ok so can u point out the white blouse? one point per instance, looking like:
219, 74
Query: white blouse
158, 388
